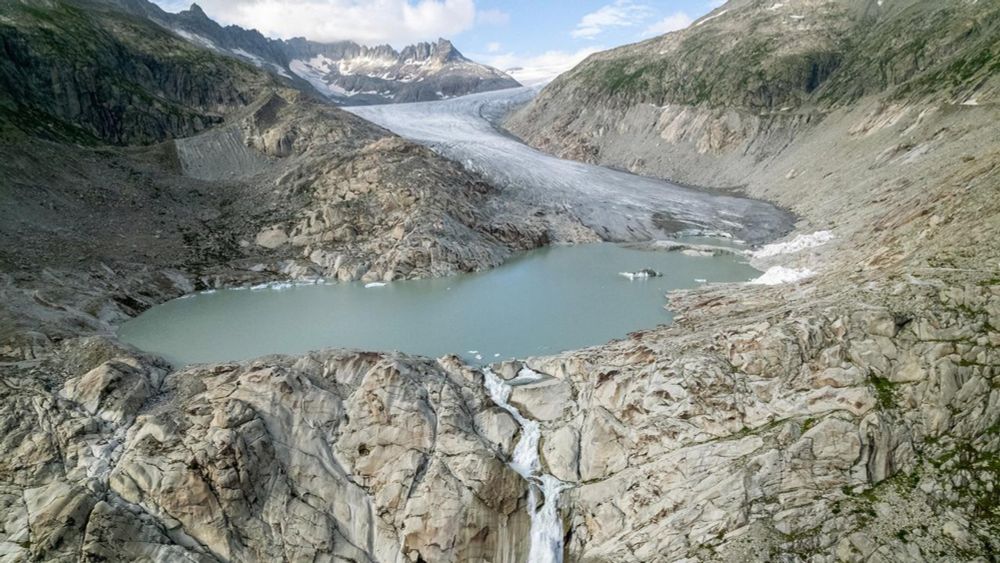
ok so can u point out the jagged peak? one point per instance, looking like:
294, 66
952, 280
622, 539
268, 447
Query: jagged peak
195, 10
446, 49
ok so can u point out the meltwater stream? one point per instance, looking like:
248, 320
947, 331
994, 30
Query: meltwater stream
546, 525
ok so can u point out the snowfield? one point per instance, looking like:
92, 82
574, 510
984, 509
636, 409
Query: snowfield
617, 205
778, 275
799, 243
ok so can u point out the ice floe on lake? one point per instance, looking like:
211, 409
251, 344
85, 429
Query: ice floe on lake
643, 274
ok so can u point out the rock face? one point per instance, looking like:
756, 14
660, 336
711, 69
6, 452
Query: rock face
96, 74
342, 456
343, 71
707, 105
851, 417
819, 433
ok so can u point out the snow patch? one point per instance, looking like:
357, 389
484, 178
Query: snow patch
314, 71
710, 18
277, 286
197, 39
249, 56
527, 374
778, 275
799, 243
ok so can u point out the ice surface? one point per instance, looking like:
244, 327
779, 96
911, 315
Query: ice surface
800, 242
780, 274
619, 206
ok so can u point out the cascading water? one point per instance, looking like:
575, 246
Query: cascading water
546, 526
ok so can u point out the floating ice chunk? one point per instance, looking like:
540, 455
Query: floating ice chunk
496, 355
780, 274
800, 242
700, 280
375, 284
208, 291
697, 252
473, 351
479, 356
641, 274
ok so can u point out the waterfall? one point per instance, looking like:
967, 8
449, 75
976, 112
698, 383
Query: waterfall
546, 526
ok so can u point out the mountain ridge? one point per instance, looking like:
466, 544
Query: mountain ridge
326, 66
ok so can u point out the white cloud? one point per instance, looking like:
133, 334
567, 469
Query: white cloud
493, 17
493, 47
622, 13
399, 22
673, 22
537, 69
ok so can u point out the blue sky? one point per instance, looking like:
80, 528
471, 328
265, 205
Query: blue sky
540, 37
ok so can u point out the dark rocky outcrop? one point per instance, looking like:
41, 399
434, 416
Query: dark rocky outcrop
70, 73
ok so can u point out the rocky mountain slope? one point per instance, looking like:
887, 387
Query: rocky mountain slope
343, 71
708, 104
138, 167
850, 417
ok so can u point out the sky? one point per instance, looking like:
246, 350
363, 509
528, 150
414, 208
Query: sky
540, 37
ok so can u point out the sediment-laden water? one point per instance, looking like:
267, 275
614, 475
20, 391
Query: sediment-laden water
543, 302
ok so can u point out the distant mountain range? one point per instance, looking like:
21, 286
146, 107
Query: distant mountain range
344, 71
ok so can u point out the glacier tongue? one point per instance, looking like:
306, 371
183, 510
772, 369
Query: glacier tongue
617, 205
546, 524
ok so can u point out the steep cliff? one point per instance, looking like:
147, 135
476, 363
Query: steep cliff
79, 74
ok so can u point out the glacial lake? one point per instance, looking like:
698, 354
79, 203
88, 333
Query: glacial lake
542, 302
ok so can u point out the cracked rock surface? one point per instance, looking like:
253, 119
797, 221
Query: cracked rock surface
343, 455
